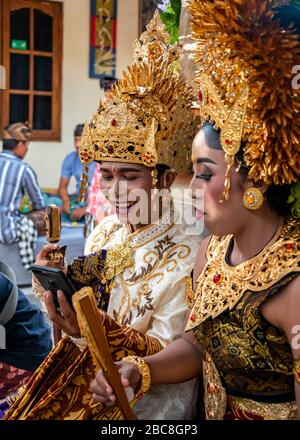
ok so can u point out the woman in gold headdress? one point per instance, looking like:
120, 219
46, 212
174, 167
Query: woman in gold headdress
243, 330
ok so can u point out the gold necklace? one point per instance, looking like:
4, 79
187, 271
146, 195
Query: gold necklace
221, 286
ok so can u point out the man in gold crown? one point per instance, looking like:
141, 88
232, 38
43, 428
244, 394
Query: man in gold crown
139, 135
243, 329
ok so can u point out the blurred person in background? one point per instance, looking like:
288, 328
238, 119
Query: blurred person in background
72, 166
17, 178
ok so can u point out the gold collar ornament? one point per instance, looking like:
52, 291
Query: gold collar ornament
244, 58
146, 119
221, 286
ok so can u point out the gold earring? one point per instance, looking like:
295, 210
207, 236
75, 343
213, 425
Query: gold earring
253, 198
154, 177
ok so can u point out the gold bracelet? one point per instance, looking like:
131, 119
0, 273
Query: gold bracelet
144, 372
296, 370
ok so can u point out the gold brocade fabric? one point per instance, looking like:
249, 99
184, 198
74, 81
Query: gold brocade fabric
219, 406
247, 409
253, 357
98, 269
152, 295
59, 389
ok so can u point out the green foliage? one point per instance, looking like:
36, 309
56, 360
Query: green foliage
171, 18
294, 200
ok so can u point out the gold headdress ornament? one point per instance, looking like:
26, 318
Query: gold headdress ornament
146, 118
245, 58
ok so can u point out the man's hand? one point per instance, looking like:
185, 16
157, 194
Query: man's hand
78, 213
43, 259
103, 392
65, 318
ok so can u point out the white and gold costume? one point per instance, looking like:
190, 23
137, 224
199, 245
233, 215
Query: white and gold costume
150, 296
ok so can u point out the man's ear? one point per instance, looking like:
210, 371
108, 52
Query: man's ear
259, 185
18, 147
167, 179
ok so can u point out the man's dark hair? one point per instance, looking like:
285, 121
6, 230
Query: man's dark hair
106, 82
78, 130
161, 168
9, 144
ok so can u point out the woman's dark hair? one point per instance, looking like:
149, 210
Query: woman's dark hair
9, 144
78, 130
276, 195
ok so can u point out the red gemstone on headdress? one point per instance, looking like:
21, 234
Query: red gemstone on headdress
114, 123
289, 247
217, 278
227, 141
193, 318
110, 149
200, 96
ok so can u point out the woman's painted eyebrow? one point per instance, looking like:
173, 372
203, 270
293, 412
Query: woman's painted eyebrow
205, 159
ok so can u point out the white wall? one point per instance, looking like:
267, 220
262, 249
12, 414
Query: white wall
81, 94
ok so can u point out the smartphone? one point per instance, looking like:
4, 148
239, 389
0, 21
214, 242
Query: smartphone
54, 279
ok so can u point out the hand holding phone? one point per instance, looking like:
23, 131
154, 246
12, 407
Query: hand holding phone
64, 315
54, 279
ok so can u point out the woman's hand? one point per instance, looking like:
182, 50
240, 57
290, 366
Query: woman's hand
103, 392
65, 318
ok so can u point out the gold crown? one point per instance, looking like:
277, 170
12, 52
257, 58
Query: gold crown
244, 58
147, 118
